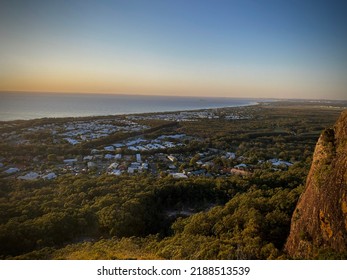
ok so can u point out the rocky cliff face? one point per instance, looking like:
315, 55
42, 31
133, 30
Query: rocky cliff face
319, 222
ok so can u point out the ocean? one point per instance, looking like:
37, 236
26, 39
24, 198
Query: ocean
25, 106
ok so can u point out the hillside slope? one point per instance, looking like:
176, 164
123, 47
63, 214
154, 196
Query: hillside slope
319, 222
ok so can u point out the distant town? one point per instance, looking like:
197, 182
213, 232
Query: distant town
164, 155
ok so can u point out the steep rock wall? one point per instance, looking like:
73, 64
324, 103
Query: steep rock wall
319, 222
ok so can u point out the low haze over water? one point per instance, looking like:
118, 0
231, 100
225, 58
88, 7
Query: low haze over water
16, 106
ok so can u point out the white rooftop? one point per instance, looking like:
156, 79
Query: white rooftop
12, 170
50, 176
29, 176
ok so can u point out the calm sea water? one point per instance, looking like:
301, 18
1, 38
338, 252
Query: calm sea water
15, 106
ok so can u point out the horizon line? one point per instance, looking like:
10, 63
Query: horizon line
167, 95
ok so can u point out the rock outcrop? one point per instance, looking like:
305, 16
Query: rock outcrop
319, 222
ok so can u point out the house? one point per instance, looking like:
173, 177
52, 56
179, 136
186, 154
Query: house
230, 155
169, 144
278, 162
145, 166
115, 172
91, 165
109, 148
50, 176
150, 147
135, 165
241, 166
138, 158
131, 170
118, 156
109, 156
71, 141
29, 176
175, 136
70, 160
12, 170
159, 146
118, 145
172, 158
197, 172
236, 171
113, 165
172, 166
179, 176
135, 142
87, 158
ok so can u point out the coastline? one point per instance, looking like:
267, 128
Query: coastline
26, 107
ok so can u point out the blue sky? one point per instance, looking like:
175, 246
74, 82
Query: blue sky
236, 48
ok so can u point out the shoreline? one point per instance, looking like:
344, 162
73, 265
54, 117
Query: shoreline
250, 102
253, 103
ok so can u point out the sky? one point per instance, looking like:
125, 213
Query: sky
234, 48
